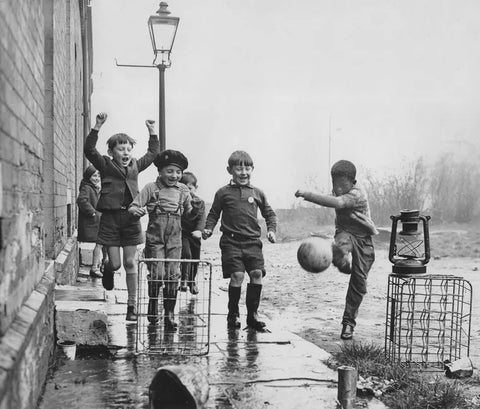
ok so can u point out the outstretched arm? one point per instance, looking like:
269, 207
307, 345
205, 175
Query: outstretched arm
323, 200
153, 147
89, 149
212, 217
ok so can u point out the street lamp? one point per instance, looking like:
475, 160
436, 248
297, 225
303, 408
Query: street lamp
162, 28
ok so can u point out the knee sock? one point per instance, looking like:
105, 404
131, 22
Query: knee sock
253, 298
234, 294
132, 288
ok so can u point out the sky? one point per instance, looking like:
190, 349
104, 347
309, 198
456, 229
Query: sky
298, 85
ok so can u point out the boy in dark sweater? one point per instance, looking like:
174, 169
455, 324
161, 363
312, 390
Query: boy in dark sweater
238, 204
118, 228
193, 224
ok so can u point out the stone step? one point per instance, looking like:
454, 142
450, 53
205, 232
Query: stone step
81, 315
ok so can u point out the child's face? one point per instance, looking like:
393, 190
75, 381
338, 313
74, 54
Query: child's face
240, 174
191, 186
341, 185
121, 154
170, 174
95, 178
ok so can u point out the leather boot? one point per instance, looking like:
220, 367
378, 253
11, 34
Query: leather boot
253, 301
233, 317
152, 313
169, 301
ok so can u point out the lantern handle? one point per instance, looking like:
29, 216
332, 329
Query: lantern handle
426, 235
393, 234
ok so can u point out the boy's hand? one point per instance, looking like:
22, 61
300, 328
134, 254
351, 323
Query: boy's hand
206, 234
100, 120
299, 193
151, 126
271, 237
197, 234
137, 211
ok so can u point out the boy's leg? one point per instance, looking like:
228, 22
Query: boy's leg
255, 264
114, 263
254, 291
234, 293
195, 251
186, 255
97, 256
341, 249
130, 266
363, 256
172, 274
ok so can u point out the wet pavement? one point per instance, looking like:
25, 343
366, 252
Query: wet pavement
244, 368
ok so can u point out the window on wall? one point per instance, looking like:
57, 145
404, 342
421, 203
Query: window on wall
69, 220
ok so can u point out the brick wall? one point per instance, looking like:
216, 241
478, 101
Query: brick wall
41, 164
21, 153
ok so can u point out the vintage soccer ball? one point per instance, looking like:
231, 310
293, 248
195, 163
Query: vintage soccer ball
315, 254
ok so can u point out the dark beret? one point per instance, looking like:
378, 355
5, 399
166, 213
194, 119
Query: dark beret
171, 157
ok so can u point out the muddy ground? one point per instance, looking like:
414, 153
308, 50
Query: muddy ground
311, 305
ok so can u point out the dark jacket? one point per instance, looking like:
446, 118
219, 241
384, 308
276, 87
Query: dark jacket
195, 220
88, 223
118, 188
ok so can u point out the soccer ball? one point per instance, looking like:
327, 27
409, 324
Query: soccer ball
315, 254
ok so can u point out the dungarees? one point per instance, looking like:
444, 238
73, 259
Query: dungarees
164, 240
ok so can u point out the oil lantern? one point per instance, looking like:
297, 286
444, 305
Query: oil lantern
409, 249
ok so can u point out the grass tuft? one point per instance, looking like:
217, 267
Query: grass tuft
408, 387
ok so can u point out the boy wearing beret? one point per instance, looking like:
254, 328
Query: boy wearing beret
166, 200
119, 180
238, 204
353, 236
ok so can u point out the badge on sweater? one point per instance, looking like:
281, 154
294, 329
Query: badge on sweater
250, 199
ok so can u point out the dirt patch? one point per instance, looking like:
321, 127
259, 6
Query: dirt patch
311, 305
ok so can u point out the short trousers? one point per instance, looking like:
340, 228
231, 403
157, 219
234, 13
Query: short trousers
119, 228
241, 255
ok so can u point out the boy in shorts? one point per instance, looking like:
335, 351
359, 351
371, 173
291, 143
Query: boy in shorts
238, 204
166, 200
353, 236
193, 224
119, 180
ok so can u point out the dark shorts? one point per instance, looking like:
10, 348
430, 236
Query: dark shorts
241, 255
119, 228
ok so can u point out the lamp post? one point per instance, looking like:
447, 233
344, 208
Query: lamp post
163, 29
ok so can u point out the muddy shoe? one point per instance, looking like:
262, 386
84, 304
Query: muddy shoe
108, 278
254, 323
233, 321
96, 274
183, 286
169, 324
347, 332
193, 288
131, 313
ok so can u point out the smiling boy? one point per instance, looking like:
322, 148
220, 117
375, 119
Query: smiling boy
166, 200
119, 179
238, 204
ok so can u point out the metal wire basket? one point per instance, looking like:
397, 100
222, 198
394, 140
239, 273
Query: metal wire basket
191, 312
428, 319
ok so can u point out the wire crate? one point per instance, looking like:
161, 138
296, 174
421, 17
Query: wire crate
428, 319
192, 312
